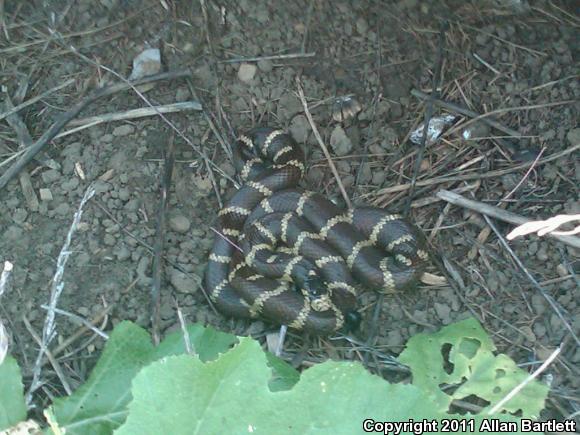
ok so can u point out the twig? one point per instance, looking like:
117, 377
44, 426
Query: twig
128, 114
428, 114
66, 117
48, 331
49, 356
498, 213
545, 295
321, 143
159, 238
184, 331
529, 379
33, 100
272, 57
468, 177
79, 319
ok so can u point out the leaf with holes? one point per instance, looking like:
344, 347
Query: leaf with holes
459, 362
182, 395
12, 406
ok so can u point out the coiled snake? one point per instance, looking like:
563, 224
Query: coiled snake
291, 256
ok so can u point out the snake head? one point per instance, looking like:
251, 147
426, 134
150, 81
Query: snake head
314, 286
352, 321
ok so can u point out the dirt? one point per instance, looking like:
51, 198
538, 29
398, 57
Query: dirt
519, 58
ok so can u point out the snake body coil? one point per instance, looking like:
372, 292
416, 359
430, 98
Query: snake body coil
291, 256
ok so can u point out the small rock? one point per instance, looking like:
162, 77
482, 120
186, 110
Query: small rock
340, 142
247, 72
562, 270
179, 223
19, 216
146, 63
394, 338
443, 312
299, 128
62, 209
361, 26
181, 281
45, 194
379, 178
265, 65
182, 94
50, 176
122, 253
573, 136
123, 130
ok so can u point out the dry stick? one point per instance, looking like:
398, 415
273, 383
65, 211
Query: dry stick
48, 331
159, 237
83, 328
545, 295
128, 114
66, 117
468, 177
78, 319
24, 140
33, 100
273, 57
428, 114
321, 143
500, 214
55, 364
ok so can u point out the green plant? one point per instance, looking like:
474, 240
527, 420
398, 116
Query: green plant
230, 385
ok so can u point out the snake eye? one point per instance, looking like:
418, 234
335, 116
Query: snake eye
352, 321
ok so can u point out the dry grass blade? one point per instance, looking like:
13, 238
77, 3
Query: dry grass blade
498, 213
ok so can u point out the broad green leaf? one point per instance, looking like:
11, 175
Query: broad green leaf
182, 395
471, 368
99, 405
12, 406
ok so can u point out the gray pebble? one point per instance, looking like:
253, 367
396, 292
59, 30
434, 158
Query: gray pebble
70, 184
299, 128
109, 240
122, 253
19, 216
179, 224
246, 72
181, 281
50, 176
443, 311
62, 209
340, 142
123, 130
182, 94
265, 65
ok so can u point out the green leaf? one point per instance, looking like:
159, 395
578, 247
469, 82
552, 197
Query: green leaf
460, 358
284, 376
182, 395
12, 405
99, 405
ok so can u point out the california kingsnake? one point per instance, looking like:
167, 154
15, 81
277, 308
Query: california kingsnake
301, 253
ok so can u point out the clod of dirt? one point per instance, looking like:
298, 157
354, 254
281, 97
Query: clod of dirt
246, 72
180, 224
573, 136
265, 66
299, 128
123, 130
340, 142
